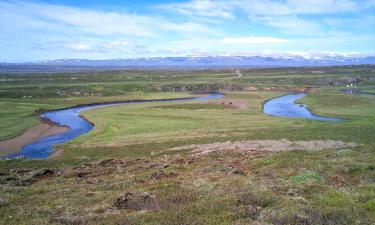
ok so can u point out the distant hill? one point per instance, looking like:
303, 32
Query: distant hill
197, 62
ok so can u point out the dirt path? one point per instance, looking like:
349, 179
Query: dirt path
239, 74
32, 134
266, 146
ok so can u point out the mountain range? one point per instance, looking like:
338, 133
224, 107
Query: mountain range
203, 62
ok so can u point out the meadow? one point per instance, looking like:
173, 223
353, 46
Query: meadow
130, 169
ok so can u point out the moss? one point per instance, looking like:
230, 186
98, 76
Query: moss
306, 176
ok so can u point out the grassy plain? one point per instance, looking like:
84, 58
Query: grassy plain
129, 151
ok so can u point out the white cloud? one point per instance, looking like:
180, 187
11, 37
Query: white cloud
60, 19
297, 7
79, 47
186, 27
71, 20
363, 22
285, 15
303, 54
124, 46
206, 8
226, 42
227, 8
189, 27
323, 6
253, 40
293, 25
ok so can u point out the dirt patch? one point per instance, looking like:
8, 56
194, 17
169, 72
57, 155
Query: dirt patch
161, 175
232, 170
233, 103
136, 202
46, 128
266, 146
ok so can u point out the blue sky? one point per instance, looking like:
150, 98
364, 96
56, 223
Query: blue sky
56, 29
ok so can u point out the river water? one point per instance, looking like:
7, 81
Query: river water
70, 117
283, 106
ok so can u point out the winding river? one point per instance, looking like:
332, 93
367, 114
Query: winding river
70, 117
283, 106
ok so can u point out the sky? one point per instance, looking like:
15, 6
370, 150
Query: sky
109, 29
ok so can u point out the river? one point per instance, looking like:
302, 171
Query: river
283, 106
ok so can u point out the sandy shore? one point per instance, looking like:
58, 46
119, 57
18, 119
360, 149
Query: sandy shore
44, 129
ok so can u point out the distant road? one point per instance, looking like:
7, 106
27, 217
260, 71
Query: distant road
239, 75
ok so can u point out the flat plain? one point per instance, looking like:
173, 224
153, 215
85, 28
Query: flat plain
144, 163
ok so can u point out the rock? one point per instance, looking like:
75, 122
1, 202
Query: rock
232, 170
3, 202
292, 192
82, 174
156, 165
21, 171
157, 176
237, 172
11, 179
3, 173
110, 162
40, 175
161, 175
253, 212
136, 202
180, 161
43, 173
300, 199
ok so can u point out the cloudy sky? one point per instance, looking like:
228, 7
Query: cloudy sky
106, 29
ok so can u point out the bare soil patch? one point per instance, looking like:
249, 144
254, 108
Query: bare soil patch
256, 146
46, 128
136, 201
233, 103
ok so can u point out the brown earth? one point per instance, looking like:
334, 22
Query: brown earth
256, 146
233, 103
44, 129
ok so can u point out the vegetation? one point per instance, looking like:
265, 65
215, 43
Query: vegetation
126, 171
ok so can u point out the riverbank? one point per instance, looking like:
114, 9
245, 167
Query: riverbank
76, 125
285, 106
44, 129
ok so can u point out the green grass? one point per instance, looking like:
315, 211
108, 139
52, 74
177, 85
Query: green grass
306, 176
298, 187
164, 125
16, 117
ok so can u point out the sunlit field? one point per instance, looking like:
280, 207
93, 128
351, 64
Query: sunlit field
151, 154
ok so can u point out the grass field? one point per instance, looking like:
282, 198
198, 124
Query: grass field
125, 171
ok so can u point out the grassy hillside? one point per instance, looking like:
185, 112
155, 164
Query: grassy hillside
131, 169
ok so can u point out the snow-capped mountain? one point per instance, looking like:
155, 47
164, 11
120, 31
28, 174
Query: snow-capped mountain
212, 61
